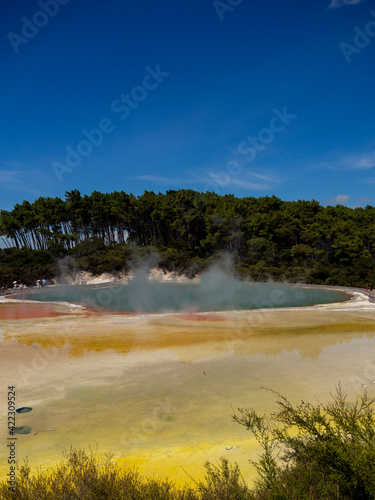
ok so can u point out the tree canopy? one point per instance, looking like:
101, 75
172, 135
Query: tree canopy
293, 240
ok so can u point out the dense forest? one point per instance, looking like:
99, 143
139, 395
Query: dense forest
267, 237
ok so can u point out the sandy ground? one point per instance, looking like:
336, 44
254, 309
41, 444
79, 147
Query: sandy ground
157, 391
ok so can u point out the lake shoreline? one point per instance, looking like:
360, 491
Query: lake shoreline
59, 308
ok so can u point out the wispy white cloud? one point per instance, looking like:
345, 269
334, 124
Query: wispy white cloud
257, 181
17, 178
155, 178
341, 199
166, 180
368, 180
362, 162
349, 162
339, 3
363, 199
251, 180
254, 180
253, 186
265, 177
11, 177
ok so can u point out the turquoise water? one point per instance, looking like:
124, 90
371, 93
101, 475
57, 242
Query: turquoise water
211, 294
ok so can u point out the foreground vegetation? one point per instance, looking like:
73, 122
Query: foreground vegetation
321, 452
80, 477
315, 452
268, 237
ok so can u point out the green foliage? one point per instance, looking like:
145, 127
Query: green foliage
26, 266
224, 482
268, 237
85, 477
315, 452
94, 256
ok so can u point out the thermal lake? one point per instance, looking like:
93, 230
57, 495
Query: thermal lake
157, 390
214, 292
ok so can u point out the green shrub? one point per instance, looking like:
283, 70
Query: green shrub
85, 477
224, 482
315, 452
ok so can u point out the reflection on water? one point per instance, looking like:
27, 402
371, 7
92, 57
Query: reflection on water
158, 392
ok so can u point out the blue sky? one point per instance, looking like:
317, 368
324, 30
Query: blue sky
251, 97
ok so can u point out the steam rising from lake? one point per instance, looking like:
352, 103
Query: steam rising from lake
217, 290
